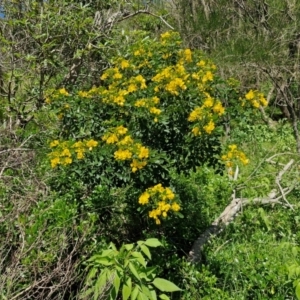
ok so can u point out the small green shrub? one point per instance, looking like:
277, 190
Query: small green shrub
114, 272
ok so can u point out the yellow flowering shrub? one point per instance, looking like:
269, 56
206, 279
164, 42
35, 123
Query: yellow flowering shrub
162, 201
158, 107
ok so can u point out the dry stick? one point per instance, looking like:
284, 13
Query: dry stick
232, 210
278, 178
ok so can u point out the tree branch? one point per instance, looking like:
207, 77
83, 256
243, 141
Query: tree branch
231, 211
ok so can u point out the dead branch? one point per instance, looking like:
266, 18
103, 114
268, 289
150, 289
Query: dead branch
236, 204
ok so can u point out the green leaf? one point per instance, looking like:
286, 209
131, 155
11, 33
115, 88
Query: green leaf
139, 257
145, 249
128, 247
298, 290
150, 271
295, 251
164, 297
140, 243
116, 282
153, 242
165, 285
135, 292
142, 296
104, 261
146, 291
153, 294
126, 290
91, 274
86, 293
101, 283
134, 271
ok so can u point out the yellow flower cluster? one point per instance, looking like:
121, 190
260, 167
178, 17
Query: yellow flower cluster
111, 73
163, 198
172, 79
84, 94
169, 37
233, 155
63, 92
62, 155
149, 103
204, 115
127, 148
53, 94
256, 98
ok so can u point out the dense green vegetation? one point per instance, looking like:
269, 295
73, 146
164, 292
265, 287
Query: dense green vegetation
139, 159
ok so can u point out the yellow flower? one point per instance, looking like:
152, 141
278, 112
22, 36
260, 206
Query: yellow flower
132, 88
104, 76
122, 154
229, 164
155, 100
127, 140
262, 99
138, 52
196, 131
124, 64
255, 103
117, 75
121, 130
140, 79
80, 153
143, 152
66, 152
67, 161
136, 165
54, 143
224, 157
110, 139
209, 127
155, 111
63, 92
175, 206
91, 144
157, 188
218, 108
232, 147
144, 198
54, 162
201, 63
165, 35
188, 55
195, 76
78, 144
120, 100
140, 103
250, 95
207, 77
174, 84
208, 102
83, 94
196, 114
170, 195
